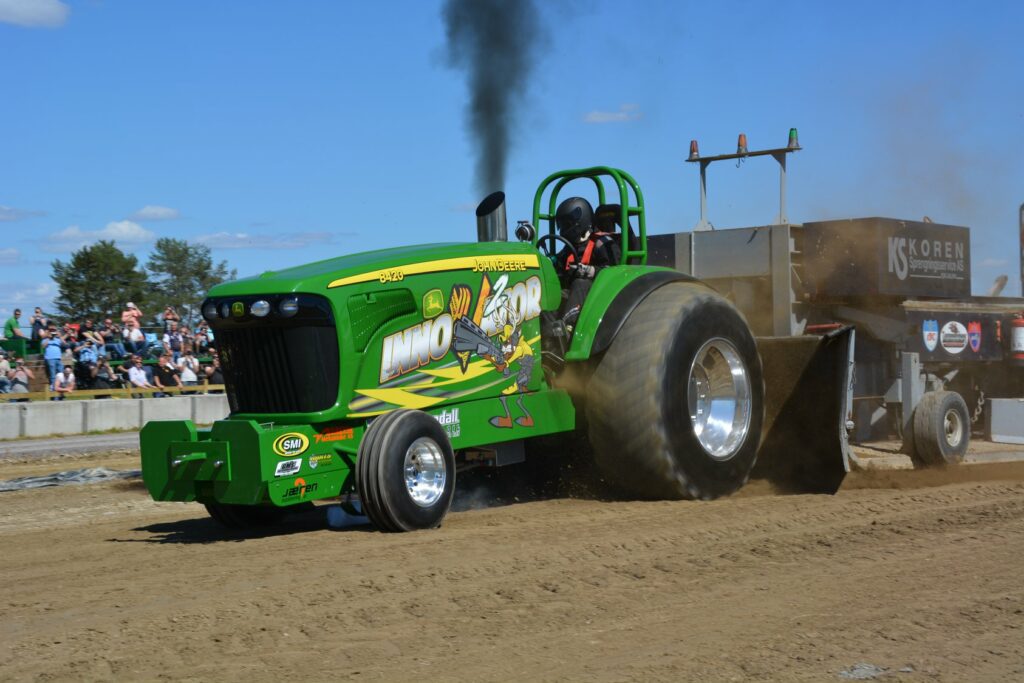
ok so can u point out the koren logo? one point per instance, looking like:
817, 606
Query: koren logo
290, 444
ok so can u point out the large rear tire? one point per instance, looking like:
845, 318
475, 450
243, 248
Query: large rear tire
405, 472
675, 405
942, 428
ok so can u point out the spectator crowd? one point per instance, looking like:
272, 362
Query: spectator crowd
78, 355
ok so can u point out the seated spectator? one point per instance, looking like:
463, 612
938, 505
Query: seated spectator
172, 342
214, 375
5, 370
137, 375
111, 335
166, 375
88, 331
135, 338
64, 385
53, 348
188, 340
39, 324
200, 340
12, 328
188, 366
20, 377
86, 363
170, 315
104, 377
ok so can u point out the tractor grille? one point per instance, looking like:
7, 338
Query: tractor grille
278, 363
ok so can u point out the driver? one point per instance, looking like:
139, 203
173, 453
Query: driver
596, 250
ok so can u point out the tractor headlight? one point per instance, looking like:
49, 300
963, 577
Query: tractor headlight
225, 310
210, 311
288, 307
260, 308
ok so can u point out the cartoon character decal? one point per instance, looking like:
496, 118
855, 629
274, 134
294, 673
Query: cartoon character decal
477, 341
504, 349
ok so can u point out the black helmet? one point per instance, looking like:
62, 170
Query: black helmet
574, 218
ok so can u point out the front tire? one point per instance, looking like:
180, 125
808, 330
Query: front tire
676, 403
405, 472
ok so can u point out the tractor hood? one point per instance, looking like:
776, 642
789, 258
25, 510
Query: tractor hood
382, 266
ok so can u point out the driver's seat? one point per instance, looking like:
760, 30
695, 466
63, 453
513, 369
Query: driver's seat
607, 219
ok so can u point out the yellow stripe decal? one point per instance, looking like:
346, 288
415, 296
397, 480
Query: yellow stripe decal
484, 264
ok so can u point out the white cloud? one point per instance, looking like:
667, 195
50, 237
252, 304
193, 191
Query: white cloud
994, 262
10, 214
8, 256
125, 233
626, 112
284, 240
47, 13
154, 212
17, 295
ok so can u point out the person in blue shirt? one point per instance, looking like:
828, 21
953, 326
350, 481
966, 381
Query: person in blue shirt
52, 349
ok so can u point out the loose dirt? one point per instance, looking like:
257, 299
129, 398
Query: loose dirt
902, 576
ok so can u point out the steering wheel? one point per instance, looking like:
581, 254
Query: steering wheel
552, 253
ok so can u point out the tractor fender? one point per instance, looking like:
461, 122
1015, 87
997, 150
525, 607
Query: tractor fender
616, 293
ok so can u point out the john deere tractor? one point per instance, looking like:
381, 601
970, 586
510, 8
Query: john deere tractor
374, 378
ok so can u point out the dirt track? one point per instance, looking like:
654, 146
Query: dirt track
899, 570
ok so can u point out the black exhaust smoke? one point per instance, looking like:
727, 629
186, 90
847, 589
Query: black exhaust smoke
495, 42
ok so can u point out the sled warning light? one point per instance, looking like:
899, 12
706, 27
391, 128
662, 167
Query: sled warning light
741, 144
694, 152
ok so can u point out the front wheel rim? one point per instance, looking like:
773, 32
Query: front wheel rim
718, 397
425, 471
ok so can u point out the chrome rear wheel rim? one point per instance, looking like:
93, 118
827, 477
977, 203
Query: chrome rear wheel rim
718, 397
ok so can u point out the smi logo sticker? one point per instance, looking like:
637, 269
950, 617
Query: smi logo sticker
291, 444
930, 332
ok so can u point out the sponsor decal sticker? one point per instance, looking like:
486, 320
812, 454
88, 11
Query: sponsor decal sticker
286, 468
315, 460
292, 443
299, 489
930, 332
912, 257
431, 340
334, 434
433, 303
449, 419
953, 337
974, 335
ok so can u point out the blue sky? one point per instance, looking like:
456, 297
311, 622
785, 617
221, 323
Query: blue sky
280, 133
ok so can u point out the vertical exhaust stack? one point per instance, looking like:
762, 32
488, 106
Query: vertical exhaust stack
491, 224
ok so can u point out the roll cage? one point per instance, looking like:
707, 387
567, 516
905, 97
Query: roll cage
623, 182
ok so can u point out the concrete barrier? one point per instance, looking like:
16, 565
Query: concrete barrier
42, 418
10, 420
112, 413
209, 408
46, 418
167, 408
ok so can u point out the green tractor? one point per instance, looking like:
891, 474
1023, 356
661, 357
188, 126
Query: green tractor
375, 377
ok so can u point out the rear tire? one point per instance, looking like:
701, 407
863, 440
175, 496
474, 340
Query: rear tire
658, 404
405, 472
942, 428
